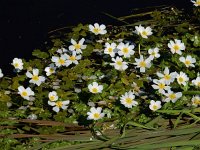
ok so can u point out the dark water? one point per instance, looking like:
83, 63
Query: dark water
24, 24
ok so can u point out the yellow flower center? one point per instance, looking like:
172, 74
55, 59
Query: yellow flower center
167, 77
52, 98
96, 30
96, 115
172, 96
198, 84
128, 100
187, 62
72, 58
94, 90
35, 78
61, 61
180, 79
51, 70
16, 65
161, 85
110, 50
196, 102
176, 47
59, 104
144, 33
125, 50
155, 107
197, 2
153, 53
24, 93
77, 46
142, 64
119, 63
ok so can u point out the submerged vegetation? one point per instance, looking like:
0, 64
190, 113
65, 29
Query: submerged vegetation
134, 86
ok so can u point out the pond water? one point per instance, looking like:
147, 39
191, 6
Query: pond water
24, 24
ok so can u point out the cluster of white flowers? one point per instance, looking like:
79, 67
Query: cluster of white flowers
66, 58
71, 56
56, 103
119, 52
164, 88
123, 50
143, 32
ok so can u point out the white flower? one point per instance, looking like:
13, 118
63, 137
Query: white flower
171, 96
128, 100
35, 78
126, 50
53, 96
72, 59
196, 82
142, 64
59, 61
196, 2
17, 63
167, 77
182, 78
155, 105
160, 86
96, 29
110, 49
95, 88
77, 47
61, 50
196, 101
119, 64
58, 105
95, 113
154, 53
25, 93
9, 104
50, 70
176, 46
144, 32
32, 117
188, 61
1, 74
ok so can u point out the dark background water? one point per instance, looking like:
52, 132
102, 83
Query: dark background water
24, 24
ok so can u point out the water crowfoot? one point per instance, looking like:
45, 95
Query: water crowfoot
25, 93
95, 113
176, 46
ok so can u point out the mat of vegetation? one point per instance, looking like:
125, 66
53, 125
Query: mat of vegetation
96, 86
